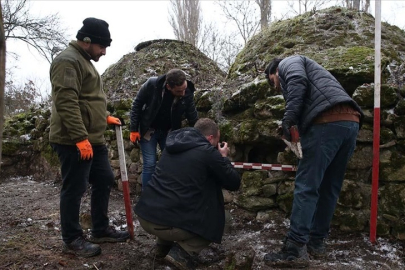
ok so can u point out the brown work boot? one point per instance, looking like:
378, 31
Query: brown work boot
109, 235
81, 248
181, 259
159, 251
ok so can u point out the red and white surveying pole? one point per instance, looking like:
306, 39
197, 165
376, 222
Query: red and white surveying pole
376, 126
124, 180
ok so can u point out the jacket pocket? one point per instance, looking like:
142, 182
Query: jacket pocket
86, 114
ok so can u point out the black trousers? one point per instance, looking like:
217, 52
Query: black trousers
76, 175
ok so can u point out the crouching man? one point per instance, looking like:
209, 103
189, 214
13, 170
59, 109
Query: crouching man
183, 204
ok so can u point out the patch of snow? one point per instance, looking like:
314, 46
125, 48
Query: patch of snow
236, 93
25, 137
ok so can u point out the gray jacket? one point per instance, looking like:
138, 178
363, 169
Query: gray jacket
308, 90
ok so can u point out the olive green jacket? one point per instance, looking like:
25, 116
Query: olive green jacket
79, 106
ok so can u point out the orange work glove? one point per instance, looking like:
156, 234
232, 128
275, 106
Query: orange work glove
135, 136
111, 120
86, 151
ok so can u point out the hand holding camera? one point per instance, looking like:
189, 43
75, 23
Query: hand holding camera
223, 149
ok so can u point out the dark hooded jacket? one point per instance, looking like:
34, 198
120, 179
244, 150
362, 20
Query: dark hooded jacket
147, 103
309, 89
186, 189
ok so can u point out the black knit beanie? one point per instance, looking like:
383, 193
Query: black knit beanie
94, 31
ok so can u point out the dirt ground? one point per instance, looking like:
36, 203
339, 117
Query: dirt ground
30, 238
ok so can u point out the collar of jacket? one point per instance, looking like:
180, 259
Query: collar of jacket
80, 49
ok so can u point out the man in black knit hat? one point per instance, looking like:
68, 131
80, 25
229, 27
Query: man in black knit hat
78, 121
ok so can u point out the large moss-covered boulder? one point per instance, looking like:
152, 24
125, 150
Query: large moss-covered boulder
341, 40
123, 79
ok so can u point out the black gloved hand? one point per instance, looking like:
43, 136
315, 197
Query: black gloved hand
286, 125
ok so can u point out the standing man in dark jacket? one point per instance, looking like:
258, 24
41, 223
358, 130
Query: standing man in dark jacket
183, 201
328, 122
78, 122
158, 108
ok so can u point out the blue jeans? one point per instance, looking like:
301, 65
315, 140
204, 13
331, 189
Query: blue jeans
327, 149
148, 148
76, 175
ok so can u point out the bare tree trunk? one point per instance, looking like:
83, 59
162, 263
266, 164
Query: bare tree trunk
185, 20
299, 7
366, 7
2, 78
353, 4
265, 12
356, 4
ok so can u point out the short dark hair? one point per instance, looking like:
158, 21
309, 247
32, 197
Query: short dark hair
207, 127
175, 77
272, 68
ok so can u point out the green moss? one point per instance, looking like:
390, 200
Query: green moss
230, 263
349, 221
398, 231
393, 170
285, 201
252, 182
392, 201
126, 133
50, 156
110, 133
226, 129
386, 135
10, 148
400, 107
364, 96
383, 228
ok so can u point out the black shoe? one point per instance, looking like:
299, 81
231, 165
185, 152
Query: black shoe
317, 248
81, 248
292, 255
159, 251
109, 235
180, 258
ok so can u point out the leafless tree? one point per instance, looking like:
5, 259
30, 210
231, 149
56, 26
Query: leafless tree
45, 34
185, 19
265, 12
306, 5
363, 5
19, 98
243, 15
2, 78
366, 6
220, 46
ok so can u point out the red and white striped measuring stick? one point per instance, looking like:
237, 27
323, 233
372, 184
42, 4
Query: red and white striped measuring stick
261, 166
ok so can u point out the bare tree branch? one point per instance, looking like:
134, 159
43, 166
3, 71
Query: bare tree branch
265, 12
185, 19
242, 13
44, 34
357, 4
219, 46
306, 5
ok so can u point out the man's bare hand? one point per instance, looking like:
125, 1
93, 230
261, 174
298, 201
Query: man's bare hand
223, 149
